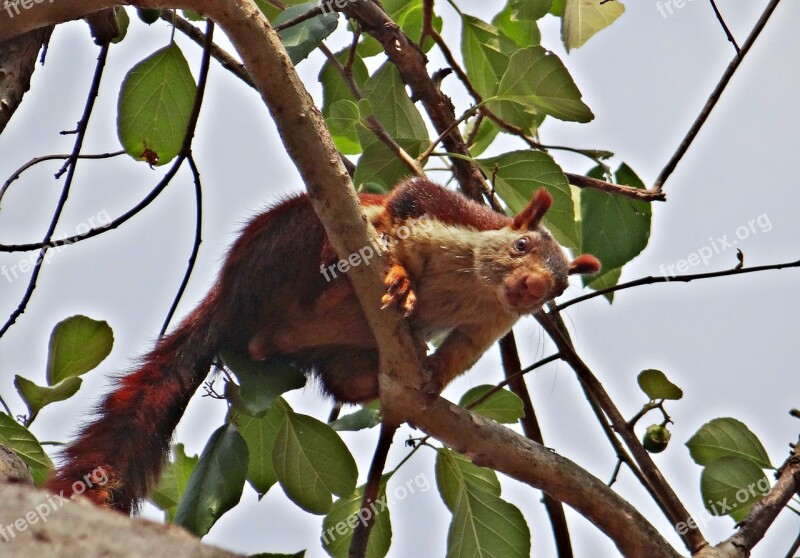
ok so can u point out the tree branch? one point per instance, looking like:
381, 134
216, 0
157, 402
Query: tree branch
17, 62
712, 100
649, 280
666, 497
411, 63
530, 427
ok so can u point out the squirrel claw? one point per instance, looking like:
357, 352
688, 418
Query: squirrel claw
398, 291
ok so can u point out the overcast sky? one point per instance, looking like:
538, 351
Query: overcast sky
729, 342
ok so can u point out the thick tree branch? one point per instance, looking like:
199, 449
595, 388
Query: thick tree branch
492, 445
17, 62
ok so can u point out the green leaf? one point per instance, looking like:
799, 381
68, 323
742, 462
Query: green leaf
520, 174
37, 397
262, 382
724, 437
605, 279
366, 417
334, 90
216, 482
656, 385
173, 481
192, 15
614, 229
392, 107
408, 15
537, 79
260, 434
20, 440
339, 524
483, 524
312, 463
487, 132
342, 120
77, 345
379, 165
154, 106
503, 406
583, 18
300, 40
486, 53
732, 485
524, 32
454, 472
529, 10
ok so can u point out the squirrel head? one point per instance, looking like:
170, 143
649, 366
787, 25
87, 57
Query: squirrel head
529, 266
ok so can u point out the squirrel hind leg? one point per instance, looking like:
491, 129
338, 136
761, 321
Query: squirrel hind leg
334, 319
349, 375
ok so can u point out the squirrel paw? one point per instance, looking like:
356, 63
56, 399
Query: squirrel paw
398, 291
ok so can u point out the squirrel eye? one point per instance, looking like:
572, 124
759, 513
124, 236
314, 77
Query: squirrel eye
521, 244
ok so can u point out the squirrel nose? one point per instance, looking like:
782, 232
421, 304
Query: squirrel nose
537, 286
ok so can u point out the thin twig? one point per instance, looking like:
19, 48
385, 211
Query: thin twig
665, 497
147, 200
73, 163
186, 150
530, 427
725, 27
582, 181
5, 406
677, 278
55, 157
219, 54
313, 12
512, 377
373, 124
198, 196
575, 179
411, 63
712, 100
792, 552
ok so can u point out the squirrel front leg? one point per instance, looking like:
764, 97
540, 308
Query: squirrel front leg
459, 352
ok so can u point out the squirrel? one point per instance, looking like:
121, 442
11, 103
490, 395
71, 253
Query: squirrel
456, 268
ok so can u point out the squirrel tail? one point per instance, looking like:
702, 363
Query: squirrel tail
118, 456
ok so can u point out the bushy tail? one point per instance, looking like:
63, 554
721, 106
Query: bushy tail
117, 457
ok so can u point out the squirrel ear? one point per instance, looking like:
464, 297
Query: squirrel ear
584, 265
530, 217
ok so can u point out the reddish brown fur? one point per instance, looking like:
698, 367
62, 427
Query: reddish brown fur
272, 300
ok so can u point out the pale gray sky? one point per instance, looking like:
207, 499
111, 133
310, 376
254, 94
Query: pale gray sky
728, 342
